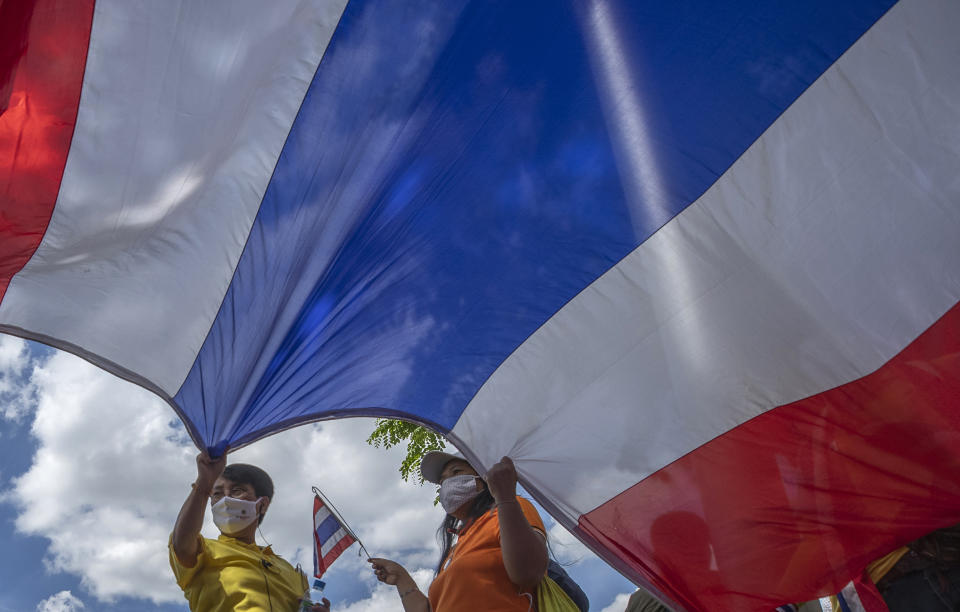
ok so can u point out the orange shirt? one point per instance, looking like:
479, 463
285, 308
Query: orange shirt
473, 577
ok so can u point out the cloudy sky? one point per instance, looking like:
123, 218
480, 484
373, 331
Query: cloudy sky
93, 471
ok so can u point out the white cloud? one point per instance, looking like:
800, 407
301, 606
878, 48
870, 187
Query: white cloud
99, 489
619, 603
385, 598
16, 393
12, 352
114, 465
64, 601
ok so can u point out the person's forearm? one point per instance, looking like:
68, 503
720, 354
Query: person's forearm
524, 550
188, 525
411, 596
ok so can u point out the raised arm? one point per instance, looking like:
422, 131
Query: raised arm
187, 528
524, 548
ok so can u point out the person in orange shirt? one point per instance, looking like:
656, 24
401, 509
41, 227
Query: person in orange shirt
500, 554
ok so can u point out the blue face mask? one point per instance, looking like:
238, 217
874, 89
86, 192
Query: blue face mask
456, 491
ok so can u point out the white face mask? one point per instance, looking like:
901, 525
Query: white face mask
456, 491
232, 515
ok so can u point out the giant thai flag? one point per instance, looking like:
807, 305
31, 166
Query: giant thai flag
695, 266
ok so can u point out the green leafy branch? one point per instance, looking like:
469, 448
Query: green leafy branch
391, 432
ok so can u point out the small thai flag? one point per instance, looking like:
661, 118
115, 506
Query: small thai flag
861, 595
331, 536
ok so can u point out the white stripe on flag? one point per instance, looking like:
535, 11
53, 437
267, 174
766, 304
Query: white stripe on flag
851, 597
822, 252
184, 110
332, 541
320, 516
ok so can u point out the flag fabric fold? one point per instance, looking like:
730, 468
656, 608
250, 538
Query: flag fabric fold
694, 268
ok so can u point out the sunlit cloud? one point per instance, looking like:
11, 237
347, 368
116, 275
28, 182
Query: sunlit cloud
64, 601
113, 465
16, 391
619, 604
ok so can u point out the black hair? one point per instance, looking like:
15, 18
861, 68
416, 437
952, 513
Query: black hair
246, 474
481, 504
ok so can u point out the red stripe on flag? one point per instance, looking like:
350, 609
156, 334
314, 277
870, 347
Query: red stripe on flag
318, 565
794, 503
334, 552
43, 51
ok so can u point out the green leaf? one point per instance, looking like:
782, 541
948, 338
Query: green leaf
391, 432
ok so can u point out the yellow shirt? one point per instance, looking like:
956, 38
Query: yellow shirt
232, 575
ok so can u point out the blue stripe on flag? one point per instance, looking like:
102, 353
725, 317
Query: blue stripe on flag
844, 606
326, 529
441, 196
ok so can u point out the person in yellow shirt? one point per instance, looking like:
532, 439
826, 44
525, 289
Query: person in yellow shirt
232, 573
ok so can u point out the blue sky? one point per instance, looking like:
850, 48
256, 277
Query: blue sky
93, 471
